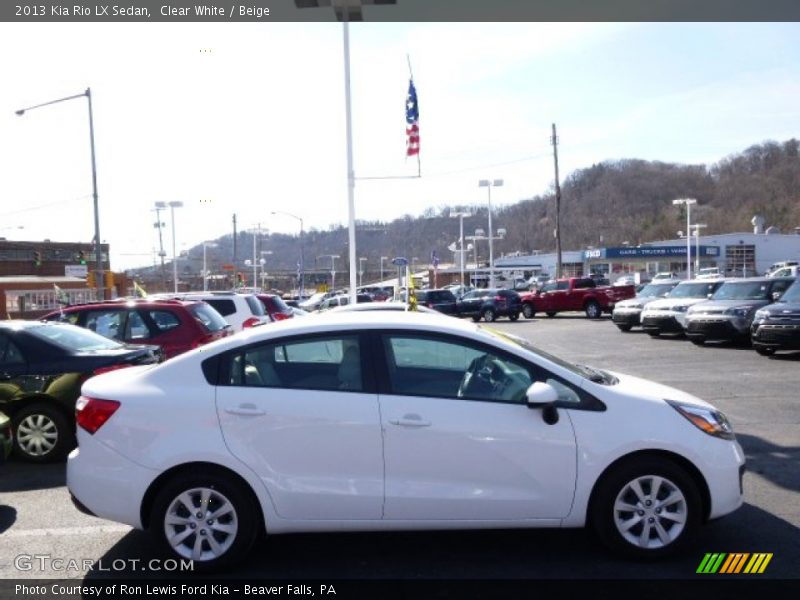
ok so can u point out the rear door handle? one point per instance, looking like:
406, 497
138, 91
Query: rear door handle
247, 410
410, 421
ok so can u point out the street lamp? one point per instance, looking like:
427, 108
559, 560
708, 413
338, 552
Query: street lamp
489, 185
159, 206
172, 206
688, 202
333, 258
461, 215
205, 272
361, 271
302, 260
255, 232
263, 262
101, 289
347, 10
697, 227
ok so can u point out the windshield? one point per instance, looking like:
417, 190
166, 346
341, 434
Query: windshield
656, 290
74, 338
742, 290
793, 293
587, 372
693, 290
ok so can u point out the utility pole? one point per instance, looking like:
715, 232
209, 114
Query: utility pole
161, 252
554, 141
233, 262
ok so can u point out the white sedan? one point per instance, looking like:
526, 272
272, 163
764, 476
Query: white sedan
390, 421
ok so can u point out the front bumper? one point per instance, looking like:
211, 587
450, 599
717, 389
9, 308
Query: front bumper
627, 317
778, 336
661, 324
715, 328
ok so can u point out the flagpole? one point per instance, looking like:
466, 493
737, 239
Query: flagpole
411, 76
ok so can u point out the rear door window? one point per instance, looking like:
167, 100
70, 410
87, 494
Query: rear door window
9, 353
135, 328
208, 317
164, 320
108, 323
255, 306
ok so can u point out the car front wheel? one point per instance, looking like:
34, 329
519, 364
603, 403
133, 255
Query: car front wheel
489, 315
208, 518
42, 434
646, 508
527, 311
593, 310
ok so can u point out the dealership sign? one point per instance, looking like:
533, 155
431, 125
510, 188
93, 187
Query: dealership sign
647, 252
76, 271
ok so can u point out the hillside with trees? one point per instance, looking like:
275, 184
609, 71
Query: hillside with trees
608, 203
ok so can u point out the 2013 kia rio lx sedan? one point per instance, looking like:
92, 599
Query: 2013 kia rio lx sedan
384, 421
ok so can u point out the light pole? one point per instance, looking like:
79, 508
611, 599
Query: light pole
263, 262
461, 215
159, 207
489, 185
172, 206
302, 259
697, 227
205, 271
333, 258
255, 232
361, 271
688, 202
101, 288
383, 258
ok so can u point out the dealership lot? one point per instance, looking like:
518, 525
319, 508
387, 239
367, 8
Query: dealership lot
758, 395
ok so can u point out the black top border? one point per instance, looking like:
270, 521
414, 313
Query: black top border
185, 11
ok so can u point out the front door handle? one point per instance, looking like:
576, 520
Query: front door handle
411, 420
247, 410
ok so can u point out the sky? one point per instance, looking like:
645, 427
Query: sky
249, 118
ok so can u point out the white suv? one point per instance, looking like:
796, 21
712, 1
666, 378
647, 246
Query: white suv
239, 310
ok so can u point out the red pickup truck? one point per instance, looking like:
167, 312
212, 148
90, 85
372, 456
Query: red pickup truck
575, 293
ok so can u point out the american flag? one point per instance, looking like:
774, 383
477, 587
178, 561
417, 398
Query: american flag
412, 120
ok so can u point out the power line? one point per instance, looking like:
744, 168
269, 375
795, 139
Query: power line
33, 208
479, 167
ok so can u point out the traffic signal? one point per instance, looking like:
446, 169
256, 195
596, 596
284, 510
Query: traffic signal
82, 257
109, 279
37, 258
91, 280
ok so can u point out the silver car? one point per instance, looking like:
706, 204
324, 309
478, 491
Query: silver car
627, 314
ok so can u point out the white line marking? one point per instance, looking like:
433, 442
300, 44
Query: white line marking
88, 530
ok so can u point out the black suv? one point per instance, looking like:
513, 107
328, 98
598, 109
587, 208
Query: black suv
443, 301
777, 326
488, 304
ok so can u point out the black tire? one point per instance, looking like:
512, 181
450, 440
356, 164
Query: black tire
513, 316
654, 334
765, 351
476, 318
593, 310
697, 341
42, 433
623, 327
614, 486
527, 311
489, 315
551, 314
223, 488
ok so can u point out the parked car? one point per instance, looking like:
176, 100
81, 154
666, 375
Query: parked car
443, 301
390, 421
627, 314
709, 273
313, 303
381, 306
777, 326
573, 294
458, 289
42, 368
377, 293
625, 280
6, 437
787, 271
773, 268
342, 300
275, 307
175, 325
241, 311
729, 314
669, 314
489, 304
664, 276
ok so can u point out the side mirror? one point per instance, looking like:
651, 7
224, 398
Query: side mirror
709, 296
776, 296
540, 394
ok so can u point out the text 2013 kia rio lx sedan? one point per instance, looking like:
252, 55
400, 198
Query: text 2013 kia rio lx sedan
388, 421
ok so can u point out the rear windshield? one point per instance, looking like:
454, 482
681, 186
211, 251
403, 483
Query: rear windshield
208, 317
222, 306
255, 306
74, 338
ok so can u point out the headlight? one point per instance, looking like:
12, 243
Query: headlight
680, 308
741, 311
707, 420
761, 316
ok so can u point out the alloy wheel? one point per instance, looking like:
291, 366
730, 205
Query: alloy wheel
650, 512
201, 524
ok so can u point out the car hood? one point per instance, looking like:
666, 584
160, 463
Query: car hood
666, 303
719, 306
783, 309
638, 302
645, 390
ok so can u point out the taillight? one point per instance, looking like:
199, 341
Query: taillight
499, 299
206, 339
251, 322
91, 414
281, 316
429, 305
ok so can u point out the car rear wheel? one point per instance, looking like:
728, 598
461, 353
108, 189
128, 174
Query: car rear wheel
513, 316
765, 351
697, 341
624, 327
527, 311
551, 314
593, 310
646, 508
206, 517
489, 315
42, 433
